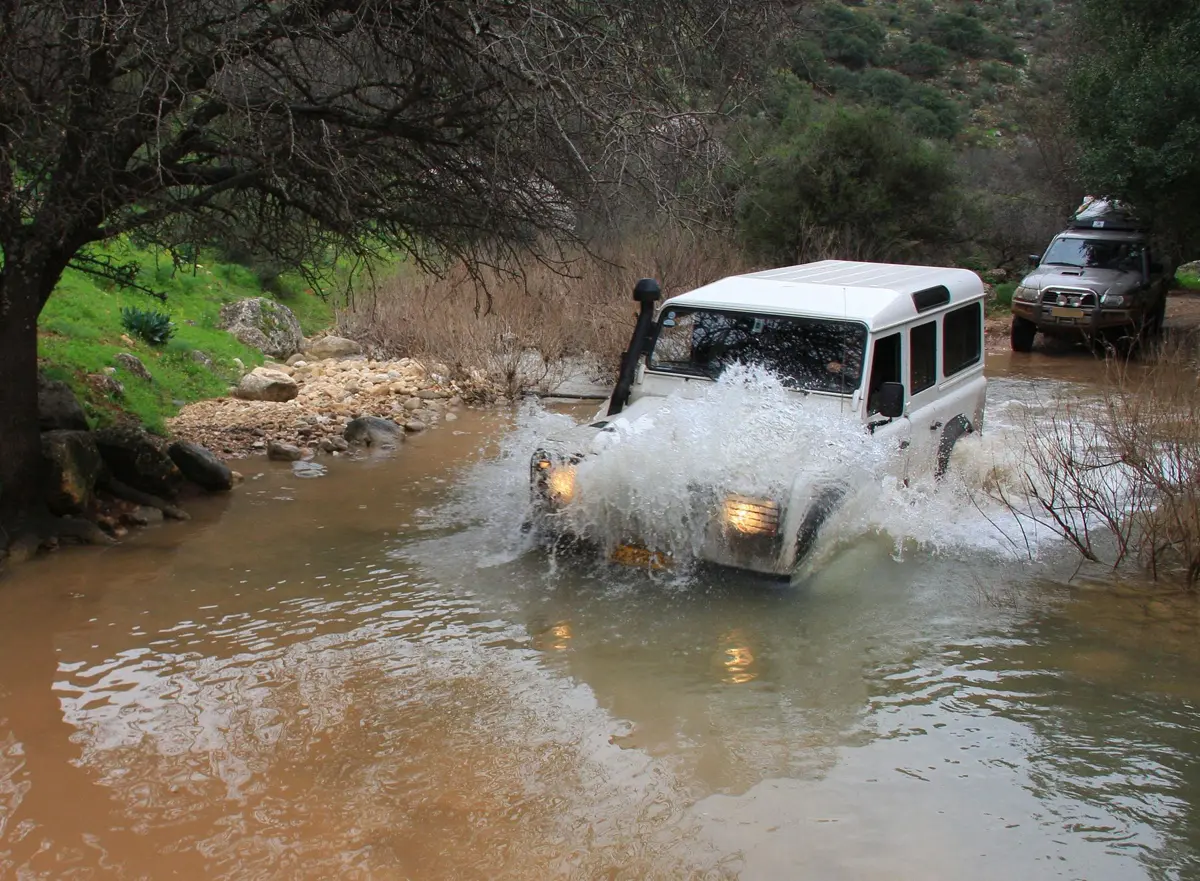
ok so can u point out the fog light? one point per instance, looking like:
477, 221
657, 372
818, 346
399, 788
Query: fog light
751, 516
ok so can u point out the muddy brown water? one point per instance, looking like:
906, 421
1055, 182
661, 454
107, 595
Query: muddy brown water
349, 677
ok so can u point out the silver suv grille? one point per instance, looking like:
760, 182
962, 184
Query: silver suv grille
1077, 299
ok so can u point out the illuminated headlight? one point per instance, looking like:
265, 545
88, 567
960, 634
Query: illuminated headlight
751, 516
555, 480
560, 483
1025, 293
1114, 300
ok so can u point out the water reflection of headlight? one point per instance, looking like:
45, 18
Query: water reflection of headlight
751, 516
737, 659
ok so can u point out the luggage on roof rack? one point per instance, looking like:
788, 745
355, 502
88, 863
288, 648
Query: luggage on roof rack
1097, 213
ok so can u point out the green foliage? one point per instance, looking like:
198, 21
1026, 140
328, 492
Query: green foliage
852, 38
1004, 294
857, 174
960, 33
1188, 280
922, 60
1135, 102
153, 327
994, 72
81, 326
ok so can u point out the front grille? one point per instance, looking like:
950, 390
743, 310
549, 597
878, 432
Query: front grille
1075, 299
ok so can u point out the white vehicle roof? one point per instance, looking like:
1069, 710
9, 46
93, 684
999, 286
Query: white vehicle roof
877, 294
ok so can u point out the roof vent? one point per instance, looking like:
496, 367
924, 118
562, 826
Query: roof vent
931, 298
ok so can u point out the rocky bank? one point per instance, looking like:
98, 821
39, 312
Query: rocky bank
312, 405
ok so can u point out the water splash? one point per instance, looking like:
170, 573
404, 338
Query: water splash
749, 433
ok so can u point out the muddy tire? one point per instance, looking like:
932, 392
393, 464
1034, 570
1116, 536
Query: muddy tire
1022, 334
958, 427
818, 513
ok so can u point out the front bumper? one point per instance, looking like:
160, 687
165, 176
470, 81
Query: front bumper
1054, 319
720, 528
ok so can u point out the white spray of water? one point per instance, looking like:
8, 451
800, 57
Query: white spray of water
747, 433
657, 478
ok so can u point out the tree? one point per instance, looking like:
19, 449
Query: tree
1134, 96
450, 129
849, 181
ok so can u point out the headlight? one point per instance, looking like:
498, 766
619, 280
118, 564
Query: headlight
751, 516
555, 480
1114, 300
1025, 293
560, 483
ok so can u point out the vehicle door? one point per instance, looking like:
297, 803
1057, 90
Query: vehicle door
886, 366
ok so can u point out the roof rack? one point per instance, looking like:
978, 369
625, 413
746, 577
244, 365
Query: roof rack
1099, 213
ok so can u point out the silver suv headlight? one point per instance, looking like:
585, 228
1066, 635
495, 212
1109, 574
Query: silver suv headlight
1115, 300
1023, 292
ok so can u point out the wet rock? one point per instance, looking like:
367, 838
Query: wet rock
334, 445
72, 467
413, 403
132, 364
201, 466
415, 425
106, 384
331, 347
268, 326
309, 469
1159, 610
136, 459
58, 408
450, 417
282, 452
264, 384
430, 394
373, 431
143, 515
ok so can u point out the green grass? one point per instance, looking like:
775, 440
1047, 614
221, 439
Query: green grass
80, 331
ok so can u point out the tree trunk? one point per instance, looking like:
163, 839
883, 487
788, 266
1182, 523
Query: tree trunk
20, 441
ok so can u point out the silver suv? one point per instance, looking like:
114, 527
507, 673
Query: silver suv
1097, 280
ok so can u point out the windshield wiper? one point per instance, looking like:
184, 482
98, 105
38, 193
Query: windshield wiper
682, 367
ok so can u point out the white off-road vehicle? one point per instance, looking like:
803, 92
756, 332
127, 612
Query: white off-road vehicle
893, 351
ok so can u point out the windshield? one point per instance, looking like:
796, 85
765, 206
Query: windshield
807, 353
1094, 253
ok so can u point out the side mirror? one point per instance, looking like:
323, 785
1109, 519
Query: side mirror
891, 400
1034, 260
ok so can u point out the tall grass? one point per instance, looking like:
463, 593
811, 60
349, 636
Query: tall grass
521, 327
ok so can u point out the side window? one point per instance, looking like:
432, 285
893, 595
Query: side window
962, 338
922, 357
885, 367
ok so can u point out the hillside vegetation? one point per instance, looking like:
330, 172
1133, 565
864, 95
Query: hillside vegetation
80, 332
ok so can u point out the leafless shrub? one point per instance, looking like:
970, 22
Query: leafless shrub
526, 329
1118, 475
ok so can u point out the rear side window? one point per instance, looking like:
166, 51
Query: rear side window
922, 344
962, 338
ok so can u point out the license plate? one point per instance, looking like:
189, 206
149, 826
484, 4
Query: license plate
643, 558
1064, 312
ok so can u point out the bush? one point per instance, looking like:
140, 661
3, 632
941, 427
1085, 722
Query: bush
850, 182
854, 38
1119, 477
960, 33
922, 60
154, 328
995, 72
